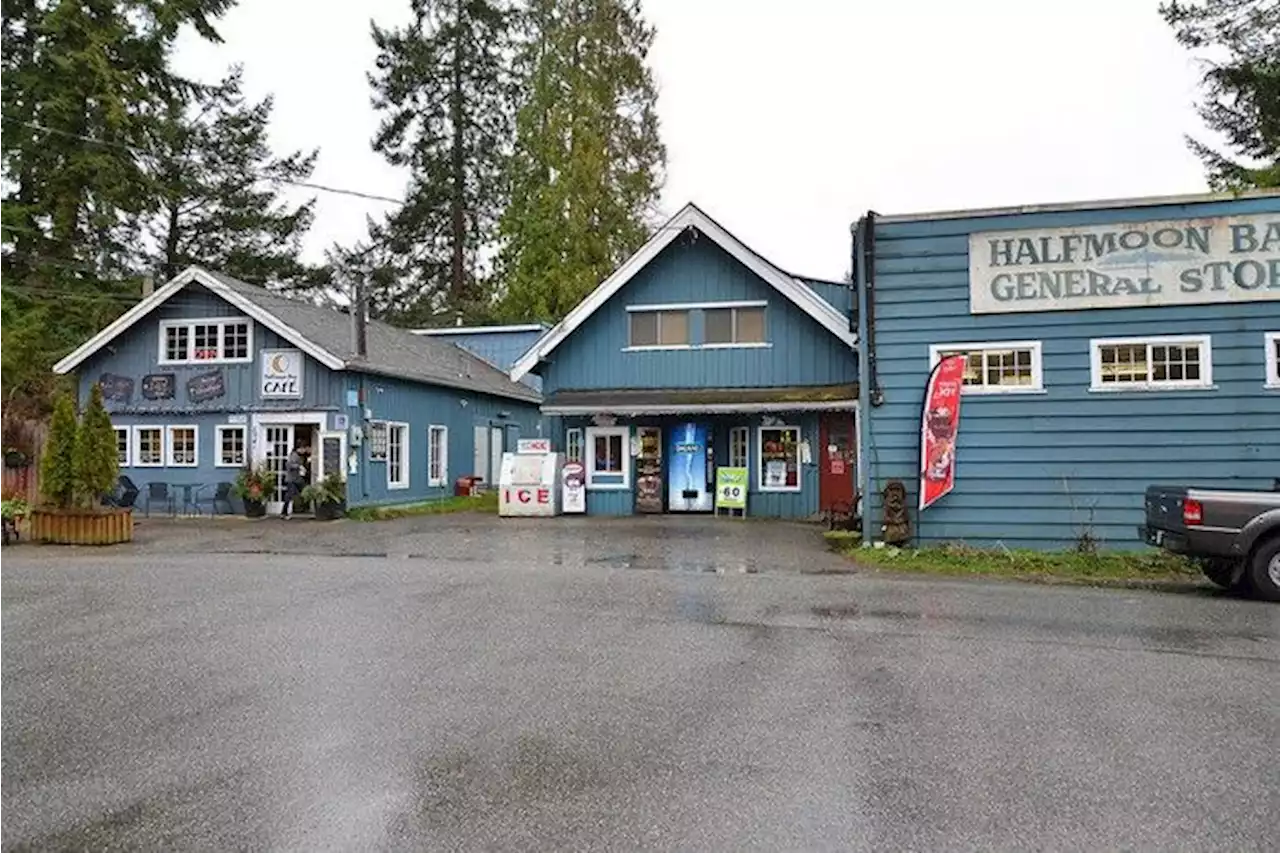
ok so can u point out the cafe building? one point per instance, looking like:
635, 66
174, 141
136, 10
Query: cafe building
209, 374
695, 354
1111, 345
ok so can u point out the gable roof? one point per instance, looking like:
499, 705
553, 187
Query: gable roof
325, 335
690, 216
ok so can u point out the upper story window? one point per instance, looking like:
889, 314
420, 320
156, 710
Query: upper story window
223, 339
1003, 367
740, 325
1272, 358
659, 328
1147, 364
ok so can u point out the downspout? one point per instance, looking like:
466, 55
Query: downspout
868, 305
862, 280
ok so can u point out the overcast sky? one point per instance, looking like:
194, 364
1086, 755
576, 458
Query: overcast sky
787, 120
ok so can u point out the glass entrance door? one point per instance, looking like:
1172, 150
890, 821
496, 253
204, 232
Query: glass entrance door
278, 442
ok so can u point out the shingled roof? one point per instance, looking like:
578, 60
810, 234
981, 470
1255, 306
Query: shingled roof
325, 334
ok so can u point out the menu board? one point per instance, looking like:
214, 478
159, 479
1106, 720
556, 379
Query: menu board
331, 455
206, 386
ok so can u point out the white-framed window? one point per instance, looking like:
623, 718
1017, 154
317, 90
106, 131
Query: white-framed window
182, 446
778, 458
397, 455
1271, 340
437, 455
123, 446
738, 326
378, 441
215, 340
996, 367
608, 457
739, 450
1150, 364
148, 447
658, 329
231, 446
573, 444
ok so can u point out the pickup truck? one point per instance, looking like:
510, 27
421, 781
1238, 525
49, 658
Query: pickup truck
1233, 534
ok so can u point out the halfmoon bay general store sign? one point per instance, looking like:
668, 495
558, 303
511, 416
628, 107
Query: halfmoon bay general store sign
1126, 265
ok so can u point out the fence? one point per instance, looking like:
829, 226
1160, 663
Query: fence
27, 438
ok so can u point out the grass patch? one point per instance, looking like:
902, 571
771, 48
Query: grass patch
842, 540
1104, 568
484, 502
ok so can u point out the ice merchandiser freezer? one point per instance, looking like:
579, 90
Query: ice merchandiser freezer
689, 463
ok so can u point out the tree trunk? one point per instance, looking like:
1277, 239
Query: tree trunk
169, 267
457, 202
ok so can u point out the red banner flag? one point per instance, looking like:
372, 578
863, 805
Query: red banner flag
939, 424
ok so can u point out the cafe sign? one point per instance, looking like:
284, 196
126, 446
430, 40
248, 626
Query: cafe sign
281, 377
1224, 260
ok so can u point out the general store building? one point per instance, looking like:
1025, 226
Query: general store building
208, 374
1111, 345
697, 353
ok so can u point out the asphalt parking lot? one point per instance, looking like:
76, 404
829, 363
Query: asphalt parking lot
461, 683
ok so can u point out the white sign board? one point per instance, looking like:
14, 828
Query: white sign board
533, 445
1228, 259
281, 377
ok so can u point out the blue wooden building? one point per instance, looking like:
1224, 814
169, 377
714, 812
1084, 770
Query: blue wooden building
698, 353
208, 374
1111, 345
501, 346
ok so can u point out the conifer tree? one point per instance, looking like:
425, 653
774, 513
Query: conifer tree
96, 464
58, 465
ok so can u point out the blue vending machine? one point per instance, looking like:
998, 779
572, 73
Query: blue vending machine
690, 472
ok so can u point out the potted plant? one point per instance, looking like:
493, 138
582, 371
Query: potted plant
80, 467
328, 498
13, 509
252, 486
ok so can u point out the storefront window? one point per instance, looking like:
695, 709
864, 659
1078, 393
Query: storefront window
779, 457
573, 445
183, 446
608, 462
738, 447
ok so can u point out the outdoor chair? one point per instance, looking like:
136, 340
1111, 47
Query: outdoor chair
221, 495
159, 493
126, 492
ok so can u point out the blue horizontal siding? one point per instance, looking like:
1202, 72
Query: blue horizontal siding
802, 351
501, 349
1039, 470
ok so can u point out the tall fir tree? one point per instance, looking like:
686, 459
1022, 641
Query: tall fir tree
95, 461
1241, 85
219, 190
588, 162
443, 87
58, 464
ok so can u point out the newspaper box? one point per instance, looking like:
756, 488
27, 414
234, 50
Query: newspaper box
530, 483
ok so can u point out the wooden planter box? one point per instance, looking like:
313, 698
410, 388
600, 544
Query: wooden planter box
72, 527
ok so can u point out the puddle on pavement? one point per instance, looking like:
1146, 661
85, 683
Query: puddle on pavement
637, 562
836, 611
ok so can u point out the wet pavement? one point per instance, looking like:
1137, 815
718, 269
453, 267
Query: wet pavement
662, 684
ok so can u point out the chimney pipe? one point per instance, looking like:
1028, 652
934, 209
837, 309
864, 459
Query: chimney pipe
148, 286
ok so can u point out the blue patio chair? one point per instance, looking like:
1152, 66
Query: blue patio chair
159, 493
221, 495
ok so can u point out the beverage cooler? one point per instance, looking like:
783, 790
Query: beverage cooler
690, 469
649, 470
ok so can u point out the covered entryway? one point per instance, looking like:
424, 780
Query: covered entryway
838, 456
276, 434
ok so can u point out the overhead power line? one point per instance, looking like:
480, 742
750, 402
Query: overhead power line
271, 178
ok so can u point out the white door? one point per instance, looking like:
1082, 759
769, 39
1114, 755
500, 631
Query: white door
277, 443
480, 455
495, 455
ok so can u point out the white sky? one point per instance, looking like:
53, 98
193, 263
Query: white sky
787, 121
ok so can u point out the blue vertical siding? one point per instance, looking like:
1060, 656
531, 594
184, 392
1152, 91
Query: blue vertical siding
501, 349
802, 352
1041, 470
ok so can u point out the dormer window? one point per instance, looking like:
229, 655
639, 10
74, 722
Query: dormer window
223, 339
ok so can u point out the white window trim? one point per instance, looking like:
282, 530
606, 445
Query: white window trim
658, 347
136, 446
746, 441
735, 344
404, 455
757, 345
589, 458
443, 479
1269, 359
168, 445
165, 325
217, 445
630, 347
128, 444
984, 390
582, 448
760, 486
1204, 383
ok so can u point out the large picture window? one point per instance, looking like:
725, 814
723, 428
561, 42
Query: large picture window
778, 457
437, 455
608, 458
1151, 364
659, 329
397, 456
1012, 367
222, 339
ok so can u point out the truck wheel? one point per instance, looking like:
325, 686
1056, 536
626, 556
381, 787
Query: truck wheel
1219, 571
1264, 570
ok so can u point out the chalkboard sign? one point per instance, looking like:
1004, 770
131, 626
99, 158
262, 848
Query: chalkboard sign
118, 389
206, 386
159, 386
331, 456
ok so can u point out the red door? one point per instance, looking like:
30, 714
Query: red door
837, 453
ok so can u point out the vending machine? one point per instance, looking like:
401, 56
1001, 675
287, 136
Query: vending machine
690, 469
